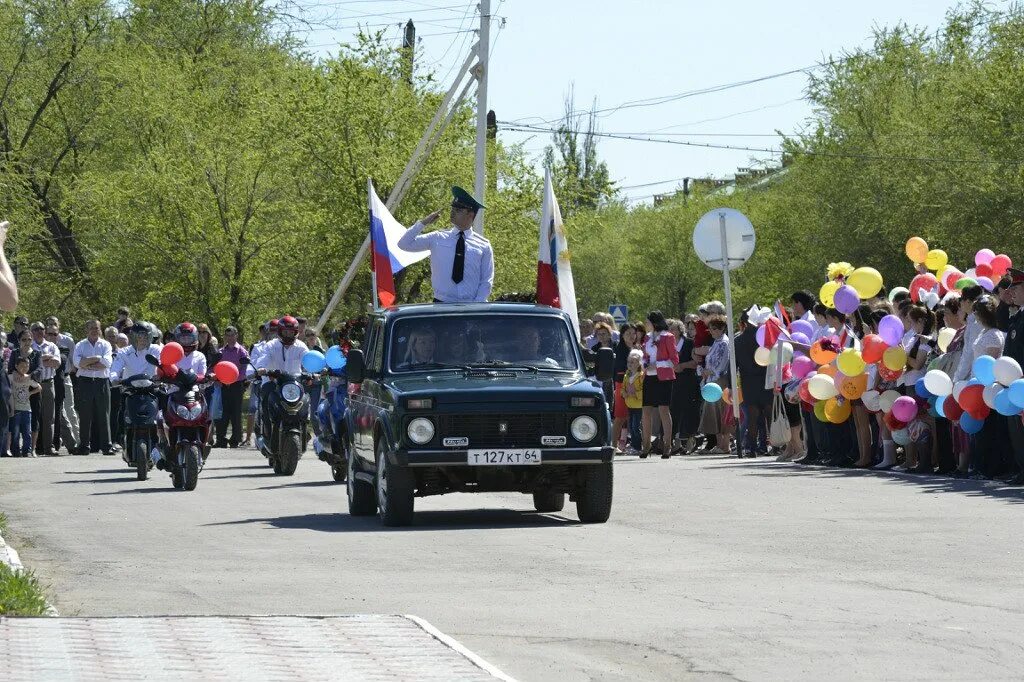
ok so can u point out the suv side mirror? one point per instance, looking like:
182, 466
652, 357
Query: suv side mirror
355, 367
605, 367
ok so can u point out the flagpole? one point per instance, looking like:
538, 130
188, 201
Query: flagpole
373, 267
481, 109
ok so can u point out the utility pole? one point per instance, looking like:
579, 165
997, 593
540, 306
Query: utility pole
481, 109
409, 47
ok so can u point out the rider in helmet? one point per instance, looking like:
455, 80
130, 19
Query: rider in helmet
187, 336
131, 361
283, 354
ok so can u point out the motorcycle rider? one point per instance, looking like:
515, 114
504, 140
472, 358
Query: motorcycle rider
283, 354
131, 361
187, 336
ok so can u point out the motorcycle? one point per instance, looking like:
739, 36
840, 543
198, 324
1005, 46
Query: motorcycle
185, 442
330, 443
284, 420
139, 395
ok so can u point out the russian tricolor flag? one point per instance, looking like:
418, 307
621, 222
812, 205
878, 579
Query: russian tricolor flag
387, 259
554, 273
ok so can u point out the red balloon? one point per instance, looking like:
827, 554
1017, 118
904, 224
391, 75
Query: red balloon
953, 279
1000, 264
951, 408
872, 348
984, 270
892, 422
924, 281
805, 391
226, 372
980, 413
168, 371
972, 398
171, 353
889, 374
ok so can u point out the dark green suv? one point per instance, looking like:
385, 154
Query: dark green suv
481, 397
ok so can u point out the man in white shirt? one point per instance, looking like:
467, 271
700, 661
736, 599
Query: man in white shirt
283, 354
49, 363
131, 361
461, 261
92, 359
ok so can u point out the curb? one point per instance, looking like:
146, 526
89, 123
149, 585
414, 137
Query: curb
458, 648
9, 556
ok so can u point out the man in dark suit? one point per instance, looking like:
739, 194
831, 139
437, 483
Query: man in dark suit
756, 398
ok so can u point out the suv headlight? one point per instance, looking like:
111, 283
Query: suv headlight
584, 429
420, 430
291, 392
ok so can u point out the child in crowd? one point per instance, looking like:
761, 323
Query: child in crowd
22, 390
633, 394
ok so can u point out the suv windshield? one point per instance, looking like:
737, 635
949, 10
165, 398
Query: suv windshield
437, 341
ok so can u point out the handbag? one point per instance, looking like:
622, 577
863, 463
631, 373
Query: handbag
778, 434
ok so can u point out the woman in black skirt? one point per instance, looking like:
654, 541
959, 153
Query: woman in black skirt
685, 405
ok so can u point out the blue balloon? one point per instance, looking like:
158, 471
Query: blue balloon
335, 358
920, 389
711, 393
1004, 405
969, 424
1016, 390
982, 369
938, 408
313, 361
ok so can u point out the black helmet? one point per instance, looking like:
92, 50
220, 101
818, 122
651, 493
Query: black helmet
139, 329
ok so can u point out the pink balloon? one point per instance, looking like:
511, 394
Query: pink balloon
984, 257
759, 335
1000, 264
904, 409
802, 366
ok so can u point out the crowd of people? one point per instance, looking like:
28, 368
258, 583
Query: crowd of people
62, 393
663, 366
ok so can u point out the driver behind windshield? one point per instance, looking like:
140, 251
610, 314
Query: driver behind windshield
527, 348
420, 351
461, 346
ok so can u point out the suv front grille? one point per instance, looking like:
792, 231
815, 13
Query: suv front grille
506, 430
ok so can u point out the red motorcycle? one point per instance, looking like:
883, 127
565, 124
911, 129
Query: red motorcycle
184, 428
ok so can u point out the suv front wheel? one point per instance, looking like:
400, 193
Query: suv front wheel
594, 499
395, 488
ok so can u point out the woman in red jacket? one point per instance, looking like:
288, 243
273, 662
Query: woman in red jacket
660, 360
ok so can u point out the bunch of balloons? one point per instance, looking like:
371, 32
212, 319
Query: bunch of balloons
996, 384
988, 268
848, 286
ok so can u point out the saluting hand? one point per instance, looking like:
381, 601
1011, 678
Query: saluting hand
431, 219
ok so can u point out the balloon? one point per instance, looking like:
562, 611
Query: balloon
782, 354
890, 328
989, 394
822, 387
921, 390
846, 299
1000, 264
871, 400
888, 374
313, 361
938, 406
801, 327
1016, 392
819, 411
951, 408
926, 282
985, 283
969, 424
335, 358
938, 383
984, 257
894, 358
168, 371
851, 363
901, 436
171, 353
759, 335
1007, 370
972, 398
802, 366
800, 337
965, 282
917, 249
981, 413
821, 355
888, 399
983, 270
1004, 405
904, 408
226, 372
711, 393
936, 260
872, 348
959, 386
828, 370
946, 335
893, 423
805, 393
896, 291
944, 278
867, 282
762, 356
983, 369
854, 387
827, 293
837, 411
972, 273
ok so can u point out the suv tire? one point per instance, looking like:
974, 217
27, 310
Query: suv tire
394, 488
594, 500
548, 501
362, 499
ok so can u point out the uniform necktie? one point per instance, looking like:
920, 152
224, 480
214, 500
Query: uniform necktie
459, 264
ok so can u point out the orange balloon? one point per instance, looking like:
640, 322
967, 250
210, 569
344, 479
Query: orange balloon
917, 249
828, 369
820, 355
854, 387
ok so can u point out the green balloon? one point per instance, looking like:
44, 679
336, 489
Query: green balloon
965, 282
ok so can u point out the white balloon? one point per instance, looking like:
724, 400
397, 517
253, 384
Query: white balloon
785, 350
971, 274
938, 383
990, 393
946, 335
1007, 370
871, 400
762, 356
958, 387
822, 387
886, 400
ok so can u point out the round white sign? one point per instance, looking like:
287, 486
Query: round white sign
739, 238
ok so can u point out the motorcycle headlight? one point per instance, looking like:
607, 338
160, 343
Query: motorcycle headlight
420, 430
584, 429
291, 392
182, 411
142, 383
194, 413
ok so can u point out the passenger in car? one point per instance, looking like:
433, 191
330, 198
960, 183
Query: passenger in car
421, 347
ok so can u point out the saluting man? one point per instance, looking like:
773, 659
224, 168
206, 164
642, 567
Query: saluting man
461, 261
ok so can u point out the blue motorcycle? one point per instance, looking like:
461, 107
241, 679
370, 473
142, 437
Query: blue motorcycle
331, 444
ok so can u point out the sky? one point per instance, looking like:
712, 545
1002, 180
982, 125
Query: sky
614, 52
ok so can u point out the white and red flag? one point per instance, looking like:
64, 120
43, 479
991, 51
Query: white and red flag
554, 273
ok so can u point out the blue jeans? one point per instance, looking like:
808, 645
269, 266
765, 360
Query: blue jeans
21, 424
635, 436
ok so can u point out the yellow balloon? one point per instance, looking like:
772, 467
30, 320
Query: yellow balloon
917, 249
819, 411
827, 293
946, 335
936, 260
851, 363
837, 412
762, 356
894, 358
867, 282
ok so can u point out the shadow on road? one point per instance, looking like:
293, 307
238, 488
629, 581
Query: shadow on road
98, 471
461, 519
118, 479
926, 483
162, 489
300, 484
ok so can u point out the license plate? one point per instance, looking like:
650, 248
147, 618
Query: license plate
499, 457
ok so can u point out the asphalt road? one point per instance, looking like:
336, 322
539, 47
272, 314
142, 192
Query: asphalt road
710, 568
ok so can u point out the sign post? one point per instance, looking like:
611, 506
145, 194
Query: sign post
724, 240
